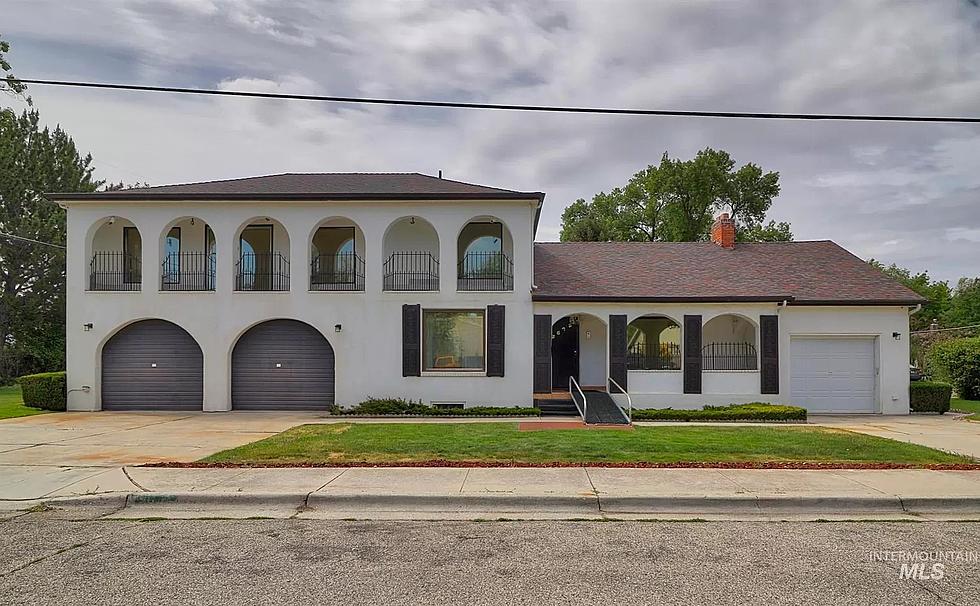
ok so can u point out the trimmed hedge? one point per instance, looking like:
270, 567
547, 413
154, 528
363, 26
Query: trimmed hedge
958, 362
755, 411
402, 407
46, 390
929, 396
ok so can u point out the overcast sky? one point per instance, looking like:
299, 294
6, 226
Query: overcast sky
901, 193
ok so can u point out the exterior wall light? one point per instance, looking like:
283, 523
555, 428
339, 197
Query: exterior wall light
337, 328
87, 326
897, 336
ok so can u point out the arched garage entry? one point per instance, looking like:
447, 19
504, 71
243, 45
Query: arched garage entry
282, 365
152, 365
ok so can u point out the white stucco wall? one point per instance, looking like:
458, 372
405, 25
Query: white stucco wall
656, 389
368, 348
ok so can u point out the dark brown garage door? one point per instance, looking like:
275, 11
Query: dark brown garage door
152, 365
282, 365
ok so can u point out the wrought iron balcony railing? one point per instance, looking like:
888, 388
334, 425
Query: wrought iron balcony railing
654, 356
417, 270
337, 272
485, 271
262, 272
729, 356
111, 270
187, 271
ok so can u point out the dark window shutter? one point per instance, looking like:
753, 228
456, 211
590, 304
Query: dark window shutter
411, 340
617, 350
542, 353
495, 340
692, 354
769, 329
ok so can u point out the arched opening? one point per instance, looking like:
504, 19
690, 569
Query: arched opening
485, 253
578, 350
336, 256
262, 250
653, 342
187, 253
282, 365
115, 256
728, 342
152, 365
411, 249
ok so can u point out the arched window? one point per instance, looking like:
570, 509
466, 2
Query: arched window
263, 256
116, 256
336, 250
728, 343
653, 343
187, 259
485, 251
411, 248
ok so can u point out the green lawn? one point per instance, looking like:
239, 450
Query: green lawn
12, 405
966, 406
502, 442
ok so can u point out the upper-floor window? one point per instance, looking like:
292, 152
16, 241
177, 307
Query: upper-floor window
485, 254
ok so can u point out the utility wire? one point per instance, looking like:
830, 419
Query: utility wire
927, 331
22, 239
510, 107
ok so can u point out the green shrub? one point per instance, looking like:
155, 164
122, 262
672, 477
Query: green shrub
45, 390
487, 411
929, 396
401, 406
389, 406
958, 362
754, 411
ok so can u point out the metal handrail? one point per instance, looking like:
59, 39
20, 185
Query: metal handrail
629, 401
584, 409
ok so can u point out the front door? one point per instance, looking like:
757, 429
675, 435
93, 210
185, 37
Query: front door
564, 352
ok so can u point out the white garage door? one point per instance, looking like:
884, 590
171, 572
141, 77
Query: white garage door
833, 374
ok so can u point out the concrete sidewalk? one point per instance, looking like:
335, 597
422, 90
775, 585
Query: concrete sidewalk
525, 493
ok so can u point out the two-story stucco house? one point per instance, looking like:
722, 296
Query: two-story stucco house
298, 291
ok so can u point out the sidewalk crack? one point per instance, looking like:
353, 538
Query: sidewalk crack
598, 501
306, 500
131, 480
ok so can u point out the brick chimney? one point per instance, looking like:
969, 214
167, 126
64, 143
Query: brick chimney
723, 231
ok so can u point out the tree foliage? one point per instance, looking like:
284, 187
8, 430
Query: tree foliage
938, 293
34, 160
8, 82
676, 200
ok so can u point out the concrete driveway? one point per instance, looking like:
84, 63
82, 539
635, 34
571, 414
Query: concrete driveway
949, 432
81, 453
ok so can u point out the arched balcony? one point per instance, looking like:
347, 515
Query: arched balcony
653, 342
728, 343
187, 251
485, 250
115, 256
262, 249
411, 249
336, 264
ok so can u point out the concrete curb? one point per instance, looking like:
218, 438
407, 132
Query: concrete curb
532, 504
456, 503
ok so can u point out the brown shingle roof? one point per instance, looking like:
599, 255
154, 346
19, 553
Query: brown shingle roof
818, 272
300, 186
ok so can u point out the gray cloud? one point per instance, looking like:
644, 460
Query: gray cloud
899, 192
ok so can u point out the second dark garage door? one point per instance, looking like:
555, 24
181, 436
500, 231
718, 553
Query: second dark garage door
282, 365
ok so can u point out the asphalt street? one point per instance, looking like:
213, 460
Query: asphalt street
48, 558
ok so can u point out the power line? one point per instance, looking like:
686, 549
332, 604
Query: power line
510, 107
13, 237
927, 331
